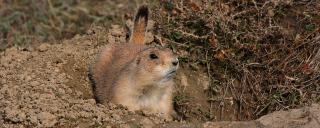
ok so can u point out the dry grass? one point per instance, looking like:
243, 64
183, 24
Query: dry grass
263, 53
24, 22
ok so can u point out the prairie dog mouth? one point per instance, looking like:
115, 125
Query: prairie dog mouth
170, 74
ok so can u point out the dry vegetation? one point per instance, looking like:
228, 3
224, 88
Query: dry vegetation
24, 22
264, 54
261, 55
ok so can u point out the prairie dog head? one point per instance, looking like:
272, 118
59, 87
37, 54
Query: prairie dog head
157, 64
153, 64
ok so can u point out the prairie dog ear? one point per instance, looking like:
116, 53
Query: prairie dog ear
140, 25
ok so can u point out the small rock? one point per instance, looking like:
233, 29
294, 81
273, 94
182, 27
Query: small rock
77, 36
147, 123
111, 39
116, 116
61, 91
15, 115
88, 42
115, 26
125, 126
116, 30
33, 118
43, 47
91, 101
122, 39
47, 119
28, 78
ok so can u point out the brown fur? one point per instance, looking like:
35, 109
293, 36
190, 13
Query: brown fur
137, 76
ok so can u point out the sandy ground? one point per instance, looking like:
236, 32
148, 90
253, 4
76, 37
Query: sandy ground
47, 86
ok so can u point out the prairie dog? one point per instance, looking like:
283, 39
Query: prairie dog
134, 74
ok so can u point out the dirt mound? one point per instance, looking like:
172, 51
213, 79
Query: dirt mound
48, 86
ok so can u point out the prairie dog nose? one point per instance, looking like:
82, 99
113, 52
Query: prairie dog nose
175, 62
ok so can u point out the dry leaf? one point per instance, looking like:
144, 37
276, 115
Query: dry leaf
220, 55
213, 41
194, 6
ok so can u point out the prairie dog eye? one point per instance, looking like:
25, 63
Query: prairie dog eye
153, 56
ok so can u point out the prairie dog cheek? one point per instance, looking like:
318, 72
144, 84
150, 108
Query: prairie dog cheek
161, 70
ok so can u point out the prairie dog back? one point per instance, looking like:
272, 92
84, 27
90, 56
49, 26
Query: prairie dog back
108, 66
134, 74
